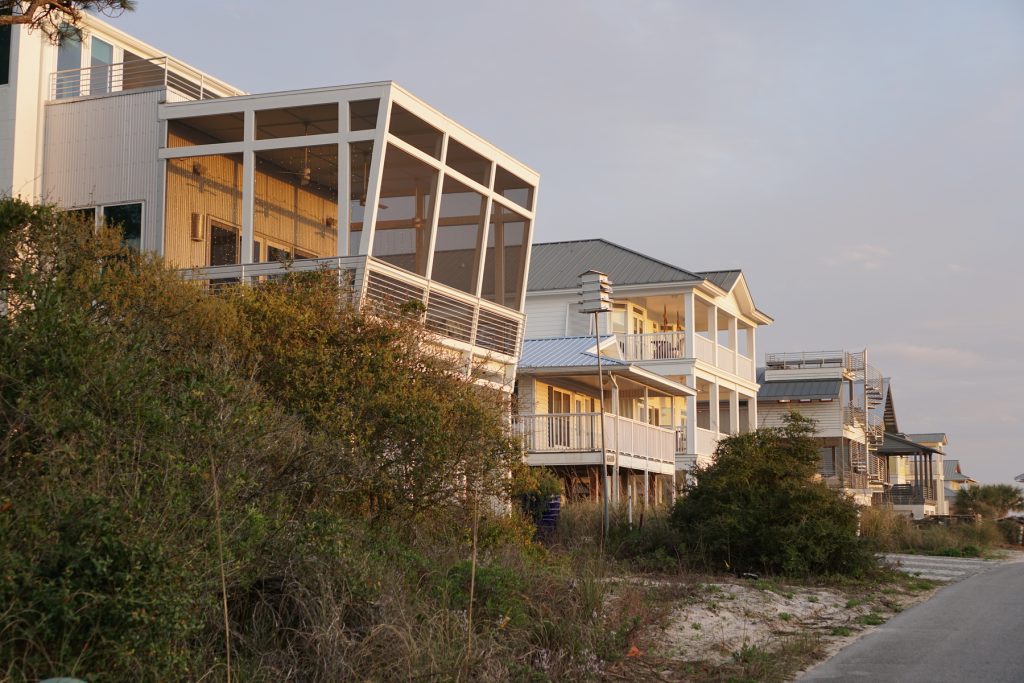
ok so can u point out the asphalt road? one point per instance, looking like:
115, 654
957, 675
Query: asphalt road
972, 630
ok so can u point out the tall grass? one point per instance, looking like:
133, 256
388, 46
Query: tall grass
889, 531
648, 543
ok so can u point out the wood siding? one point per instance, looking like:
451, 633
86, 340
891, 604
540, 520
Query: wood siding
828, 416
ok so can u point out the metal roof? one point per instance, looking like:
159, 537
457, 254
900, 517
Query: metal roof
899, 444
951, 471
564, 352
722, 278
929, 437
794, 390
557, 265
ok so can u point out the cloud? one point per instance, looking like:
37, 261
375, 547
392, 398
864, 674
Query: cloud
956, 268
867, 256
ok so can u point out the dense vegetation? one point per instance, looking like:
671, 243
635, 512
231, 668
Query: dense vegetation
266, 482
760, 508
991, 501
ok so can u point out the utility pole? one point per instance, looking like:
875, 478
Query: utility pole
596, 297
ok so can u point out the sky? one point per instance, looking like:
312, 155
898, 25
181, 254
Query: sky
861, 161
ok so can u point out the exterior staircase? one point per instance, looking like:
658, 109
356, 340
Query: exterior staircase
549, 517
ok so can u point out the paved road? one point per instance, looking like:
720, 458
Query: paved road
969, 631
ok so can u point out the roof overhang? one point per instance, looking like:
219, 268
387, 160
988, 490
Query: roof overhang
634, 373
898, 445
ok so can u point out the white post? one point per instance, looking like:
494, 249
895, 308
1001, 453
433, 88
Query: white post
689, 327
734, 343
734, 411
713, 331
714, 407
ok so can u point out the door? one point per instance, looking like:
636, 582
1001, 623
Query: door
559, 407
224, 245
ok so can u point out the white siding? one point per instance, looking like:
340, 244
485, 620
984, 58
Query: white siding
545, 317
828, 416
103, 150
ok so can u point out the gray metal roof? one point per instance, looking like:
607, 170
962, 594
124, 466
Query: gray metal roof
899, 444
951, 471
557, 265
928, 437
562, 352
722, 278
794, 390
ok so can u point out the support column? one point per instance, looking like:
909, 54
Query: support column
734, 412
713, 331
751, 413
734, 343
691, 425
714, 407
615, 437
689, 324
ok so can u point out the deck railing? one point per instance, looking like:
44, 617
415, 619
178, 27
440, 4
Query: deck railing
448, 312
707, 441
581, 433
809, 359
134, 74
918, 493
652, 346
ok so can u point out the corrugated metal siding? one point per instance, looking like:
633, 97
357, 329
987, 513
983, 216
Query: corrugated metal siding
557, 265
104, 151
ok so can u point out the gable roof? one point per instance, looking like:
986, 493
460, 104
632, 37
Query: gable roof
794, 390
725, 279
557, 265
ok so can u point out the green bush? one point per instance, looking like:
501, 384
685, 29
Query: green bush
759, 508
167, 456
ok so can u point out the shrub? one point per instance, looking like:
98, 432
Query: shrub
759, 508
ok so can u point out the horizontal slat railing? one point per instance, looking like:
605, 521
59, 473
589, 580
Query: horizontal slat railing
135, 74
448, 312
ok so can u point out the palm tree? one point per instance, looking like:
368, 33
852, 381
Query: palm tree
990, 500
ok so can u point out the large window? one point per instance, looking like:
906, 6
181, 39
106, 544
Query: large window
402, 235
297, 200
68, 81
128, 218
505, 257
5, 50
459, 230
100, 75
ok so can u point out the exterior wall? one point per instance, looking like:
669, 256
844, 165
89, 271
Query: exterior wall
103, 150
21, 100
547, 316
827, 415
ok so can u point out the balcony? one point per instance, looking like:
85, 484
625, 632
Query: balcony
918, 493
658, 346
158, 72
652, 346
461, 320
575, 439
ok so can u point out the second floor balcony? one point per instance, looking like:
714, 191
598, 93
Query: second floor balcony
575, 439
671, 346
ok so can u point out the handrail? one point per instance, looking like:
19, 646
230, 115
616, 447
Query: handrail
652, 346
580, 433
133, 74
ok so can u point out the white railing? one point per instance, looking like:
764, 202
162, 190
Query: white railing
448, 312
744, 367
704, 348
652, 346
726, 359
134, 74
809, 359
707, 440
581, 433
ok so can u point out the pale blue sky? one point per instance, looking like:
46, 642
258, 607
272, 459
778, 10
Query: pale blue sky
861, 161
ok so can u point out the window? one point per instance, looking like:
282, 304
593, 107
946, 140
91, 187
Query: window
5, 51
68, 81
559, 407
101, 72
224, 247
128, 217
88, 214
